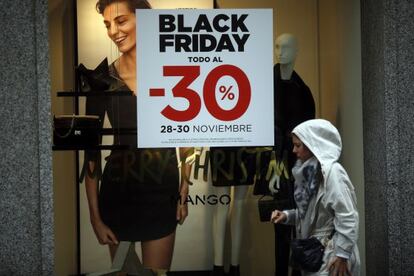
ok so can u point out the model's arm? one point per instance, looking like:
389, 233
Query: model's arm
185, 170
102, 232
92, 170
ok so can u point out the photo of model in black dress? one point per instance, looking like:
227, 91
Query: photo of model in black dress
136, 197
139, 187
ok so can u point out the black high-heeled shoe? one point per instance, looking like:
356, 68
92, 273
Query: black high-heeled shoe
234, 270
218, 270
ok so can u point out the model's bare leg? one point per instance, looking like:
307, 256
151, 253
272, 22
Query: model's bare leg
157, 254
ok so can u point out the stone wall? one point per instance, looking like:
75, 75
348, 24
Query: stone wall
388, 107
26, 196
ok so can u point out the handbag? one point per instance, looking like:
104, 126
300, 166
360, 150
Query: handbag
267, 206
307, 254
76, 130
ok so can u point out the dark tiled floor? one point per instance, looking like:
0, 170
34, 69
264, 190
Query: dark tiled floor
178, 273
189, 273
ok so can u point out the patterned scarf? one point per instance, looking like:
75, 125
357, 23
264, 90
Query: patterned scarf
306, 183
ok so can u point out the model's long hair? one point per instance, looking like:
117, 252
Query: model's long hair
132, 4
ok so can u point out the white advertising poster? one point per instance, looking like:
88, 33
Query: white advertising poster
205, 77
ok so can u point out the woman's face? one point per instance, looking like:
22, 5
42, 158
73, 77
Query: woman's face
302, 152
120, 25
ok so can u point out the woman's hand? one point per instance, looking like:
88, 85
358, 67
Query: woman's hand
278, 216
182, 207
104, 234
338, 267
191, 158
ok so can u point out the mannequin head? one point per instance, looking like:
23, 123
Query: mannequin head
286, 48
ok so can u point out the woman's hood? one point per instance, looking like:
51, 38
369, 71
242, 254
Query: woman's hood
322, 138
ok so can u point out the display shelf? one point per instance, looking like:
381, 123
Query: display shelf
94, 93
102, 131
119, 131
85, 147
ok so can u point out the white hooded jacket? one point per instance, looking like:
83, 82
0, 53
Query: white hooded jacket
334, 206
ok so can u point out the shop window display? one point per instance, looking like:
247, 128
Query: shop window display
203, 234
